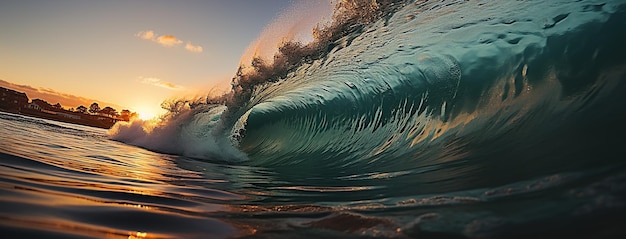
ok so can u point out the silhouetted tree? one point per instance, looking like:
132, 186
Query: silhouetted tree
94, 108
109, 111
81, 109
125, 115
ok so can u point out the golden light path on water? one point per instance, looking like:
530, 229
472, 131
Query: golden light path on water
92, 186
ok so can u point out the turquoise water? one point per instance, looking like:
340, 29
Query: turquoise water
453, 119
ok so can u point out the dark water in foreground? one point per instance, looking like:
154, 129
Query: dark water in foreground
66, 181
447, 119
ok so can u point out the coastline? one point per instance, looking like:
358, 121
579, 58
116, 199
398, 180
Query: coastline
15, 102
85, 120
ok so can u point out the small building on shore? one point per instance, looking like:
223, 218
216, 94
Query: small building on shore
34, 106
11, 100
39, 105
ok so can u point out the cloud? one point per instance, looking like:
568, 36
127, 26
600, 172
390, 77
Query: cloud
147, 35
167, 40
190, 47
160, 83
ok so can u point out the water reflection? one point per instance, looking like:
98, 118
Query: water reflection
112, 190
94, 187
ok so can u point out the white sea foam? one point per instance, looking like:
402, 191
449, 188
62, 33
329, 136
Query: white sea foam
195, 133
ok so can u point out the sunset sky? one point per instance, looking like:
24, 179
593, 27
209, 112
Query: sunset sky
135, 54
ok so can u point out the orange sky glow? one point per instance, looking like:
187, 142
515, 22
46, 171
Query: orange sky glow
129, 54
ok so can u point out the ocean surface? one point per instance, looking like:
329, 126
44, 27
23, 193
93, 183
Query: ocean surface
446, 119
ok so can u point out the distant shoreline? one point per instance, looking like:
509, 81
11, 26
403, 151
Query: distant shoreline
16, 102
92, 121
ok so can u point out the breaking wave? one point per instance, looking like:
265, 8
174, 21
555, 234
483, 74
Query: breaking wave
417, 83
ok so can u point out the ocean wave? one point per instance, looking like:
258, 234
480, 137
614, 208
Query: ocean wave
433, 82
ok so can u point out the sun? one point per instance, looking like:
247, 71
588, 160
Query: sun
146, 115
